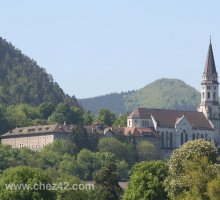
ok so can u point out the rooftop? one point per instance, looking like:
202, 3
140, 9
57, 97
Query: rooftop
168, 118
54, 128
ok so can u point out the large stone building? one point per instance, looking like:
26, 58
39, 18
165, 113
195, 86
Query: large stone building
36, 137
177, 127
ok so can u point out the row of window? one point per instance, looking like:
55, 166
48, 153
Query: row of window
32, 138
32, 146
145, 123
209, 95
167, 139
209, 88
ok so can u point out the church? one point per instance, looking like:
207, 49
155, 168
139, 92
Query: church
176, 127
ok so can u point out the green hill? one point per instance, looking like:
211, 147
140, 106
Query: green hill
163, 93
23, 81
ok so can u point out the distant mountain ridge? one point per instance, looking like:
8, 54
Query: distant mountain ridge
162, 93
23, 81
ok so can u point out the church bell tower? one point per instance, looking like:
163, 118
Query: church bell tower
210, 91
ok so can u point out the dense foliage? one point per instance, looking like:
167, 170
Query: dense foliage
30, 177
23, 81
22, 115
122, 150
147, 182
163, 93
197, 173
107, 180
177, 164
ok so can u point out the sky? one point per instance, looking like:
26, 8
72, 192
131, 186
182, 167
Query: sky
96, 47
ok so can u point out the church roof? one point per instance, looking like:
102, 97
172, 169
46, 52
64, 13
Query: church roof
44, 129
168, 118
210, 62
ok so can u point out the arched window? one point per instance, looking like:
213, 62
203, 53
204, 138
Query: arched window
186, 137
208, 95
214, 95
181, 138
171, 140
162, 135
148, 124
203, 95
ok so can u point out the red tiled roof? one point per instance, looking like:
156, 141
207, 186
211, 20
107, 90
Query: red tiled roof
168, 118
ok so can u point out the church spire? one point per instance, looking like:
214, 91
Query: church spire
210, 68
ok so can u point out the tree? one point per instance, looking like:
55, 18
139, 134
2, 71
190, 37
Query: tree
21, 115
146, 151
62, 147
107, 117
3, 121
62, 114
197, 173
80, 137
123, 151
77, 115
213, 189
66, 192
49, 159
121, 121
147, 181
70, 166
27, 157
197, 148
25, 175
86, 159
66, 113
88, 118
46, 109
8, 157
107, 180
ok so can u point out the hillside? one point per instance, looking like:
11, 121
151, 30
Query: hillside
23, 81
163, 93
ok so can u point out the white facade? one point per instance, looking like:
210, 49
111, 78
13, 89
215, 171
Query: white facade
173, 137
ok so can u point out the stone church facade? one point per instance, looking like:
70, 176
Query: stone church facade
176, 127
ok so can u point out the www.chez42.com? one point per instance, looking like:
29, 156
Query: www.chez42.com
50, 186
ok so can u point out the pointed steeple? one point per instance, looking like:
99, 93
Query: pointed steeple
210, 68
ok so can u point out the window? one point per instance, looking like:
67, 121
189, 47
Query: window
148, 123
144, 122
203, 95
171, 140
208, 87
181, 138
162, 135
214, 95
208, 95
186, 137
193, 136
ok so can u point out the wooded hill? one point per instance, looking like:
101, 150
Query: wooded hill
23, 81
163, 93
